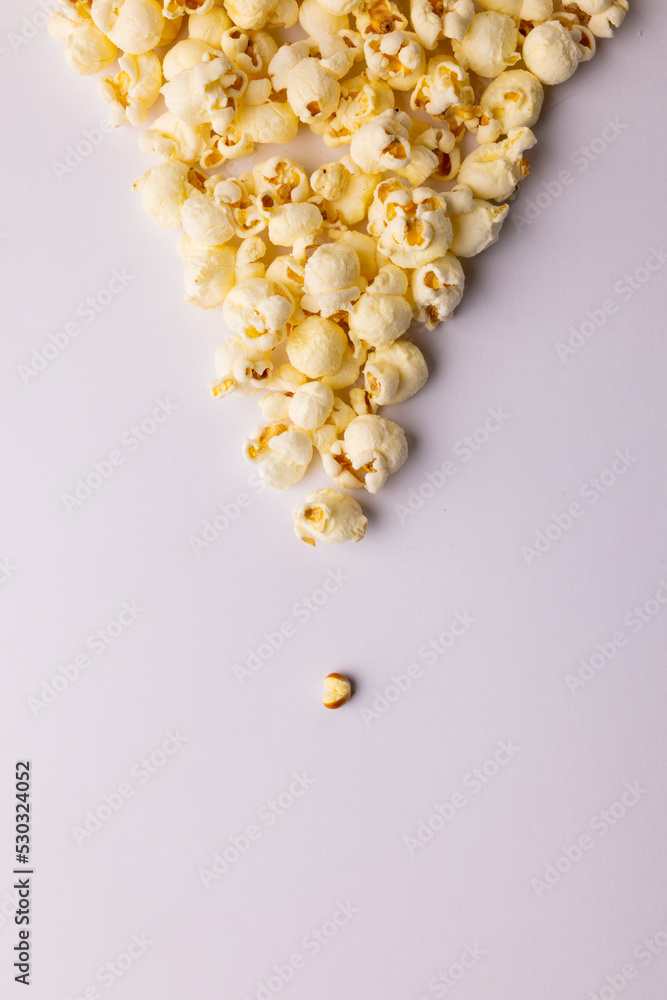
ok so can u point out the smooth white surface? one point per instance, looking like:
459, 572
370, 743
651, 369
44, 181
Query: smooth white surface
376, 779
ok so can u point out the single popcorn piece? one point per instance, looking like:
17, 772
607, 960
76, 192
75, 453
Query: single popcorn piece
249, 13
437, 19
553, 52
313, 91
370, 450
411, 226
237, 195
205, 221
208, 92
362, 101
330, 516
311, 405
350, 206
295, 225
444, 85
395, 373
319, 24
437, 289
380, 17
171, 139
283, 62
164, 189
273, 122
135, 26
478, 228
315, 346
489, 45
382, 144
86, 49
250, 51
185, 54
134, 90
249, 263
382, 314
258, 311
282, 454
338, 686
494, 169
396, 57
347, 374
514, 99
208, 272
208, 25
331, 280
278, 181
239, 367
603, 15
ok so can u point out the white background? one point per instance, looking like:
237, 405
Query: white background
377, 769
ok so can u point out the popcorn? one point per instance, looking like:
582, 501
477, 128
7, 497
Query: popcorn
331, 280
603, 15
411, 225
258, 311
351, 364
275, 407
478, 228
382, 314
444, 85
312, 91
296, 225
321, 24
370, 450
208, 92
208, 273
396, 57
249, 13
380, 17
437, 289
551, 52
284, 61
250, 51
315, 346
278, 181
135, 26
281, 453
171, 139
205, 221
494, 169
134, 90
239, 367
362, 101
514, 99
209, 25
185, 55
489, 45
311, 405
86, 49
237, 195
177, 8
274, 122
441, 19
382, 144
330, 516
394, 373
164, 189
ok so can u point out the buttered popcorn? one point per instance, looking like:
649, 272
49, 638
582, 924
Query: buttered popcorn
323, 274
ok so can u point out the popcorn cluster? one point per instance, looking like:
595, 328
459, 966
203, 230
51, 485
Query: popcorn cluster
322, 277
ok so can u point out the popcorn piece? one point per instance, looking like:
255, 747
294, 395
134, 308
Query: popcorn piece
135, 26
134, 90
362, 101
396, 57
171, 139
331, 280
444, 85
315, 346
205, 221
279, 181
164, 189
603, 15
320, 24
514, 99
313, 92
478, 228
296, 225
493, 170
380, 17
208, 274
437, 289
489, 45
382, 144
208, 92
350, 367
237, 194
338, 686
330, 181
436, 19
248, 262
275, 407
185, 55
239, 367
352, 207
380, 317
282, 454
177, 8
249, 13
287, 272
551, 52
284, 61
274, 122
395, 373
411, 225
331, 516
209, 25
250, 51
286, 379
371, 449
311, 405
86, 49
259, 312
